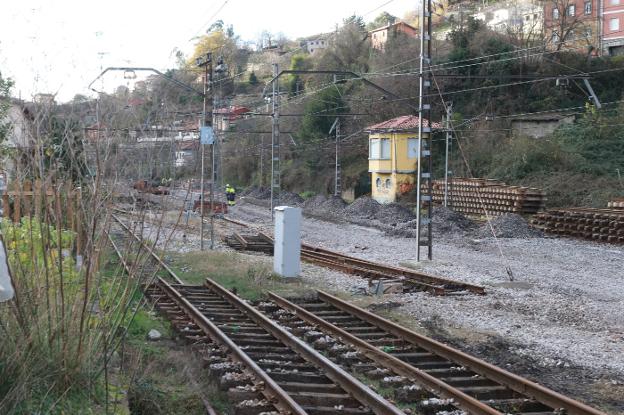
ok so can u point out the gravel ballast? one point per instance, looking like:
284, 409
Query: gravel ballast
563, 308
509, 225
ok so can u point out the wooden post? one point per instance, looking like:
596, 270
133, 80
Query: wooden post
79, 222
5, 206
27, 195
69, 201
17, 211
37, 196
57, 208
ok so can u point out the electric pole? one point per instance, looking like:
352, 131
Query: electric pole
424, 142
337, 187
206, 122
449, 137
336, 128
275, 141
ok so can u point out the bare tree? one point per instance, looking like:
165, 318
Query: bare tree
565, 23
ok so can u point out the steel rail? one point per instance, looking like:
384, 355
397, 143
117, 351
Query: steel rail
513, 382
357, 389
388, 361
171, 273
429, 282
267, 386
407, 273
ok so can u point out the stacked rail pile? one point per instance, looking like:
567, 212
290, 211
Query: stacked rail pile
472, 195
616, 203
596, 224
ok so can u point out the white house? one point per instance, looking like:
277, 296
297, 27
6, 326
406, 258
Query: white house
314, 45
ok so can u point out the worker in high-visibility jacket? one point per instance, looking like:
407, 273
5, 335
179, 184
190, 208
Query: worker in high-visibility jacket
230, 195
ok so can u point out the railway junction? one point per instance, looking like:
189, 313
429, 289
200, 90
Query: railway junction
365, 329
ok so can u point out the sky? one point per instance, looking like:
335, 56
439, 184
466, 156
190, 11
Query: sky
59, 46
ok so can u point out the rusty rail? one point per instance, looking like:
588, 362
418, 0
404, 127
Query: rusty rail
516, 383
386, 360
356, 388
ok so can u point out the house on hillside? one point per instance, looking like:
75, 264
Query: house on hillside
393, 156
521, 17
225, 118
185, 152
380, 36
573, 25
20, 134
613, 27
315, 44
44, 99
539, 126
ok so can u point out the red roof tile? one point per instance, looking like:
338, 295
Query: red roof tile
404, 122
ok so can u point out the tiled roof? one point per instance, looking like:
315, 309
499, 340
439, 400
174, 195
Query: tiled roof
404, 122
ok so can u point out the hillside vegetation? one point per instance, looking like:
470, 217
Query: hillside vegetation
482, 74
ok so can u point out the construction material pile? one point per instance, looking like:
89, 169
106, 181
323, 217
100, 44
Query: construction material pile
616, 203
588, 223
509, 225
471, 196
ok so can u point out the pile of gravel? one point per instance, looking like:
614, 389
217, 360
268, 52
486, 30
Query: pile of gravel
333, 205
363, 207
290, 198
394, 213
257, 192
509, 225
447, 221
315, 202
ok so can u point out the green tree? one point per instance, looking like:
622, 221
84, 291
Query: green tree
64, 151
319, 113
383, 19
5, 94
356, 21
295, 83
253, 79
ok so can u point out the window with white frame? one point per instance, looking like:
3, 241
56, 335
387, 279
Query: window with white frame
588, 7
412, 148
614, 24
379, 149
385, 149
555, 13
614, 2
374, 149
571, 10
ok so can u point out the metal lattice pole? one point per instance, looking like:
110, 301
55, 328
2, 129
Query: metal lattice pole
275, 142
337, 184
424, 199
447, 151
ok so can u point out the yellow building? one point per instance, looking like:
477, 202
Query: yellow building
392, 156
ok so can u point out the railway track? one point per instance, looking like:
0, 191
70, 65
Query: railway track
265, 368
410, 279
436, 377
304, 356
